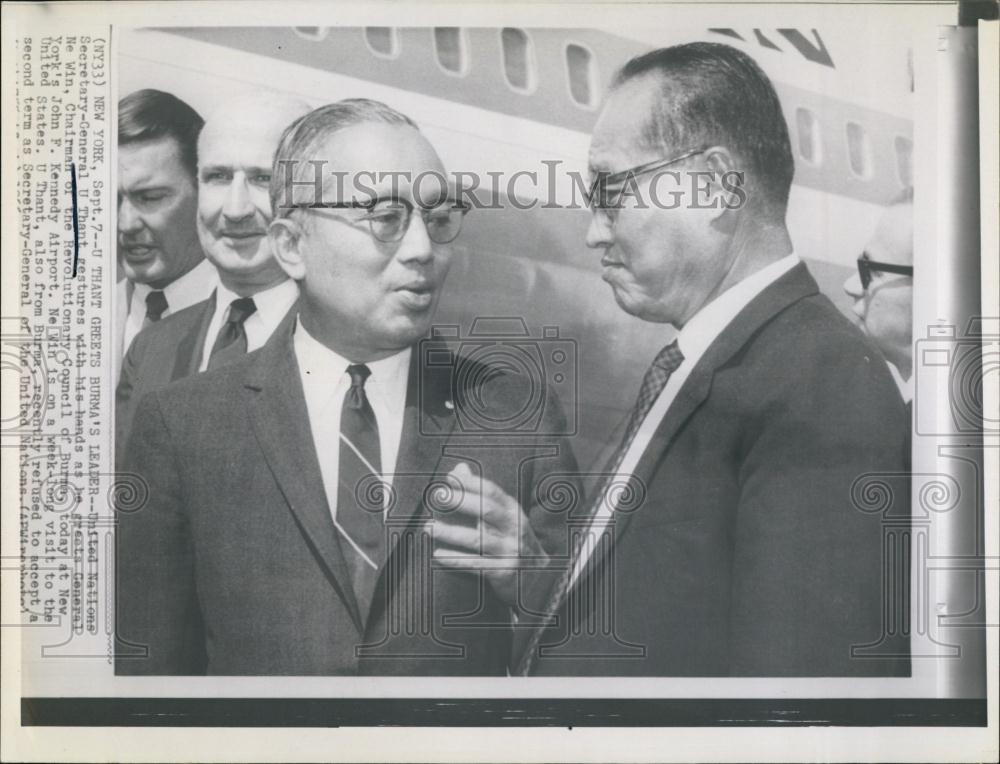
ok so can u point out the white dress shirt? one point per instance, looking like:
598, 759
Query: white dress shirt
905, 386
325, 382
693, 340
191, 288
272, 304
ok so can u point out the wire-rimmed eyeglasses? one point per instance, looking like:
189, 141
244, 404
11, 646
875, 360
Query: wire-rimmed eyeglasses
600, 197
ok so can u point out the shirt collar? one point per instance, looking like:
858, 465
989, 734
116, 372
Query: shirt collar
709, 322
184, 291
319, 365
905, 386
272, 303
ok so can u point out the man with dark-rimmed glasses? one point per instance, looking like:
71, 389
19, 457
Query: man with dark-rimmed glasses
723, 540
316, 507
883, 290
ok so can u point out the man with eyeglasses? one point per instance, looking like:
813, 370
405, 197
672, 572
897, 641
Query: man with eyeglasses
723, 540
883, 291
319, 507
253, 294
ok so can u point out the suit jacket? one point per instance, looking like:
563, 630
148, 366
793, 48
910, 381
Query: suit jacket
165, 352
123, 294
234, 566
748, 556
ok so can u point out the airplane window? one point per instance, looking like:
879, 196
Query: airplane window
904, 160
382, 41
450, 49
810, 142
580, 67
859, 150
311, 33
518, 59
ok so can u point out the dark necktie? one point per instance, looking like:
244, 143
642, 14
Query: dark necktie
156, 306
359, 505
231, 343
666, 363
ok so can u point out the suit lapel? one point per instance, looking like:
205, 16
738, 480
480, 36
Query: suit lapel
277, 410
192, 345
427, 422
789, 288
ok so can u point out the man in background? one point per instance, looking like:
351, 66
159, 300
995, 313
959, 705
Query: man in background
158, 249
883, 291
253, 294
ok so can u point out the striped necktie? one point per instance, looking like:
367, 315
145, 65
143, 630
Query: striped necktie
359, 509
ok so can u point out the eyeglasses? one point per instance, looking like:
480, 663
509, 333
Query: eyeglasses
867, 266
389, 219
600, 198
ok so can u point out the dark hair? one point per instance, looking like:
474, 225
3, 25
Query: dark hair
714, 94
148, 115
303, 137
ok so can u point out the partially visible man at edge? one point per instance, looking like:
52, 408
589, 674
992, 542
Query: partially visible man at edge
253, 294
883, 291
743, 553
158, 249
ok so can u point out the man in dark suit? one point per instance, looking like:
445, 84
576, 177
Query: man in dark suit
253, 295
302, 501
726, 543
162, 261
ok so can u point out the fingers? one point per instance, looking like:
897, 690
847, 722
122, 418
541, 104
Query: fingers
491, 542
483, 501
459, 537
467, 561
476, 484
475, 539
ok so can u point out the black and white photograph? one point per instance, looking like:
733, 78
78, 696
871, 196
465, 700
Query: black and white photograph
421, 510
451, 366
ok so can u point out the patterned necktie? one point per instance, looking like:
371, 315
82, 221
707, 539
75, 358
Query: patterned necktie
359, 497
666, 363
156, 306
231, 343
